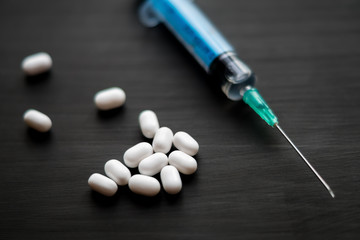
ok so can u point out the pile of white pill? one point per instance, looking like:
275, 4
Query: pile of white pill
150, 160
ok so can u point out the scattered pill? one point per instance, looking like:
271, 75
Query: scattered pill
163, 140
144, 185
37, 120
185, 143
36, 63
184, 163
170, 179
153, 164
149, 123
109, 98
117, 171
135, 154
102, 184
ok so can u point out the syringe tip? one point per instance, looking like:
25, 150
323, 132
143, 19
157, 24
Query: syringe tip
306, 161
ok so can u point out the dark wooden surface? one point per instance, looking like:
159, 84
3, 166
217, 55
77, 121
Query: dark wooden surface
250, 184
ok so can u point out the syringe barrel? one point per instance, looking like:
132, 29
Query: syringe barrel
199, 36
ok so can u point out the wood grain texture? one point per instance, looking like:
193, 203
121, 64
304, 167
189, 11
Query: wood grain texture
250, 184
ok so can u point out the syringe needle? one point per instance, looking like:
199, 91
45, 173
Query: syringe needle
306, 161
258, 104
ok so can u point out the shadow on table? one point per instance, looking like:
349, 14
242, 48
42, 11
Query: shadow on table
39, 137
38, 79
110, 114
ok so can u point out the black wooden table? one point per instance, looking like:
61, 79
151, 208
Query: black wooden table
250, 184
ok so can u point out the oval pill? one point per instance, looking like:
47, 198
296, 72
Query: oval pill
185, 143
149, 123
153, 164
184, 163
144, 185
102, 184
117, 171
109, 98
135, 154
163, 140
37, 120
36, 63
170, 179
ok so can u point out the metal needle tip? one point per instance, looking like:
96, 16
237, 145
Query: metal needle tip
306, 161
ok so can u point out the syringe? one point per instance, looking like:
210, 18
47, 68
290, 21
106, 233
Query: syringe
185, 20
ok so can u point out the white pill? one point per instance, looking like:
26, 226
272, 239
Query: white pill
144, 185
170, 179
186, 164
163, 140
37, 120
36, 63
102, 184
135, 154
117, 171
153, 164
185, 143
149, 123
109, 98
